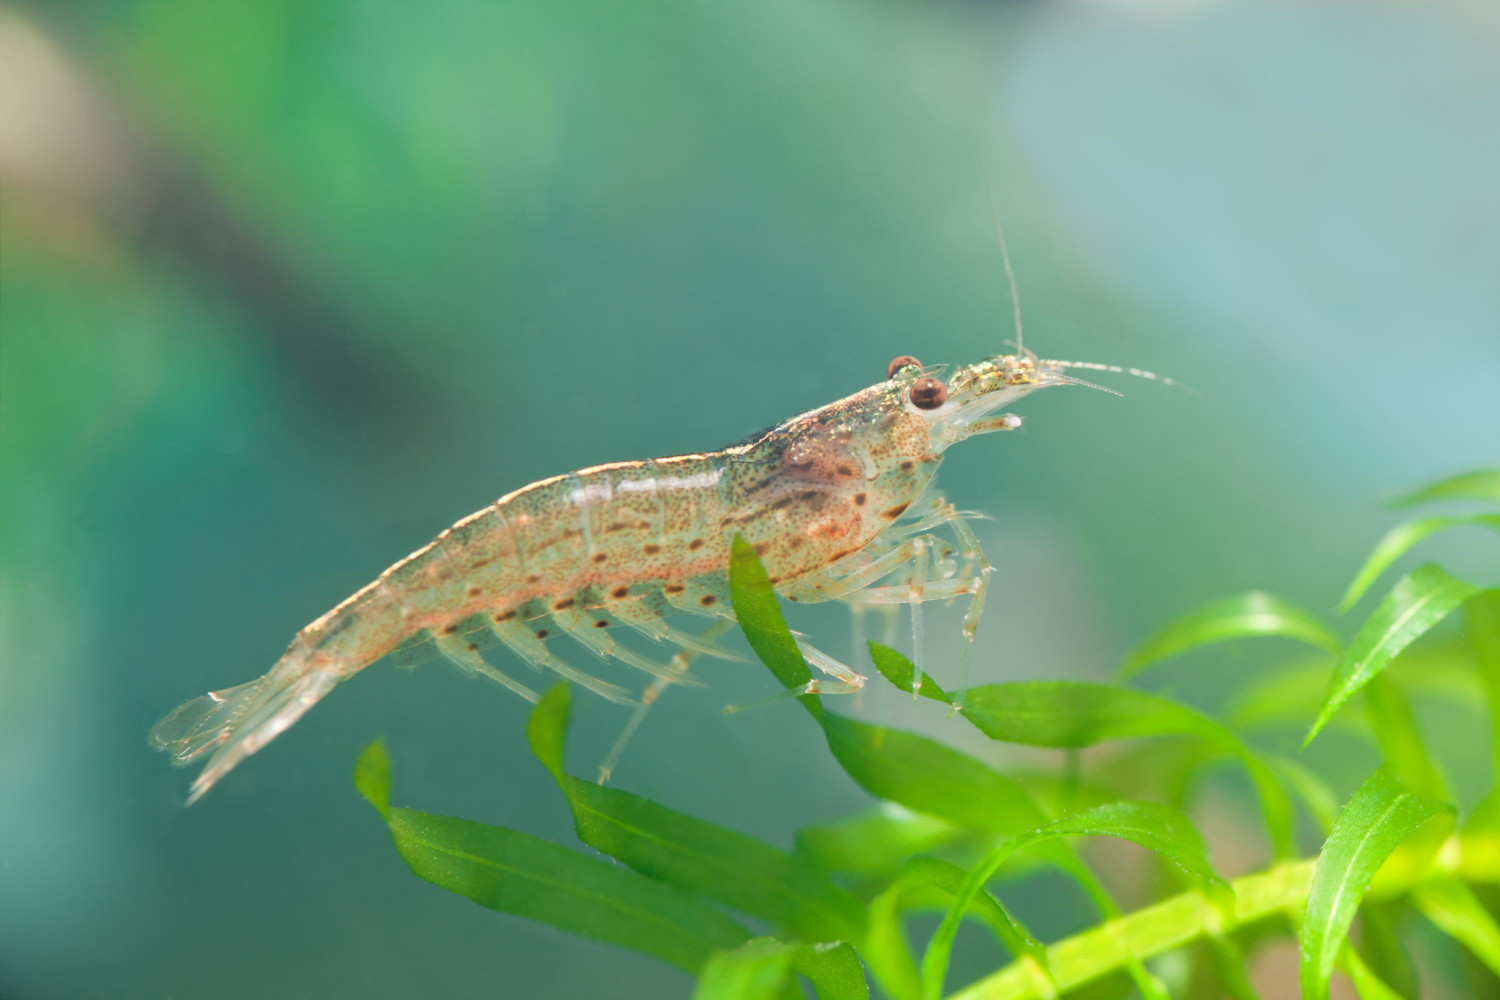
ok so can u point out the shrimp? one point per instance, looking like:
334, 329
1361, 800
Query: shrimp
837, 502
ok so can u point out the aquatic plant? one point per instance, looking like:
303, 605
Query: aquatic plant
948, 826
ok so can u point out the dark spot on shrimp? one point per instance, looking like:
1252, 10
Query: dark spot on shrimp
696, 544
481, 563
507, 616
841, 554
783, 502
908, 465
599, 557
674, 588
563, 605
651, 549
542, 633
761, 548
708, 599
859, 499
797, 542
894, 512
474, 591
533, 578
810, 494
602, 623
844, 470
450, 629
616, 526
473, 648
620, 592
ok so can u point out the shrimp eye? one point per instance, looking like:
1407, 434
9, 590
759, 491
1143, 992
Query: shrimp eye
928, 394
899, 363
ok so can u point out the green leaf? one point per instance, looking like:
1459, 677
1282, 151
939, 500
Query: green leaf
897, 669
1418, 602
1156, 827
1080, 714
1383, 946
761, 970
759, 616
1077, 714
1480, 484
1482, 614
1452, 906
693, 855
1309, 787
1238, 617
372, 776
1395, 728
1288, 696
929, 777
1367, 984
915, 885
1400, 539
529, 877
757, 970
875, 842
833, 970
1376, 819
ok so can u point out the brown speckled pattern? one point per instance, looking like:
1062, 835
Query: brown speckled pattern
632, 540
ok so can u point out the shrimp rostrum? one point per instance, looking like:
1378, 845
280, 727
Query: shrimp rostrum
837, 502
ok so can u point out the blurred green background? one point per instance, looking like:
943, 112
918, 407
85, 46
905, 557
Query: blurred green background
288, 287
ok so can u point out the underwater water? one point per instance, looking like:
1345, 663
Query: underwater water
286, 289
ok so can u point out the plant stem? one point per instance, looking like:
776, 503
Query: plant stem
1282, 888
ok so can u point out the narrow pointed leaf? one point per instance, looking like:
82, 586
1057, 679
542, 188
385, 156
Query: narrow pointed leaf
1480, 484
1418, 602
1452, 906
757, 970
1373, 823
923, 874
929, 777
1400, 539
1156, 827
1367, 984
877, 841
833, 970
693, 855
523, 875
897, 669
1395, 728
1241, 616
759, 616
762, 970
1076, 714
1482, 614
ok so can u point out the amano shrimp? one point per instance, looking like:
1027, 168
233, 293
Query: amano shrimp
838, 503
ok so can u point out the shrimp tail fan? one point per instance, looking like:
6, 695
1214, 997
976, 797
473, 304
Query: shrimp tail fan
237, 721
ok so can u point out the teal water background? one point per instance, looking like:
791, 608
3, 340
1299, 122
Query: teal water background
286, 288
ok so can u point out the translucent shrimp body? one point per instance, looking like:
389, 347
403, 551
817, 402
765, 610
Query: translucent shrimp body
836, 501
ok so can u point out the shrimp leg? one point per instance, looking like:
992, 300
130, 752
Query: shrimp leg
588, 633
464, 655
975, 587
682, 660
533, 650
845, 680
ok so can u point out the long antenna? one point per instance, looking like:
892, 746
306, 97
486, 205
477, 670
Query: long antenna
1010, 276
